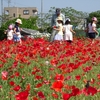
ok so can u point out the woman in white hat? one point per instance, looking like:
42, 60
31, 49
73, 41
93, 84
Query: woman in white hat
59, 34
17, 35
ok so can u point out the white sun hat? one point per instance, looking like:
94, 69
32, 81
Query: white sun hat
68, 19
19, 21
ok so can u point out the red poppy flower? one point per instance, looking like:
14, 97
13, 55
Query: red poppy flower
11, 83
16, 88
35, 98
78, 77
55, 95
62, 67
15, 64
66, 96
38, 77
22, 95
98, 76
39, 85
17, 74
59, 77
54, 62
75, 91
57, 85
4, 75
46, 82
87, 69
28, 87
89, 91
0, 86
41, 95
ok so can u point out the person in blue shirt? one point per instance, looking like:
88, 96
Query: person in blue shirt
17, 34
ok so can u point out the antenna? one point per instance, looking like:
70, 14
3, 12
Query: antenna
41, 12
9, 1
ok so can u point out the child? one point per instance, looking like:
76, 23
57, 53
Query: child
92, 29
17, 35
59, 34
68, 31
9, 32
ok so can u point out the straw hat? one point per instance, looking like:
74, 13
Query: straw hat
59, 18
18, 21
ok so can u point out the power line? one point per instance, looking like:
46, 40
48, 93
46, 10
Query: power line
11, 3
16, 3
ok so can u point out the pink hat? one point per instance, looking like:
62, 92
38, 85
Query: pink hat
10, 27
94, 19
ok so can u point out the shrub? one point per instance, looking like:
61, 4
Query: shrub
26, 23
80, 33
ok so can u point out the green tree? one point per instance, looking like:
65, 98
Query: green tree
74, 15
30, 23
44, 22
95, 14
4, 18
71, 13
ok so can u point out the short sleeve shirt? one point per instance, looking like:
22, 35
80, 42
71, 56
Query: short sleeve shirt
91, 27
67, 28
17, 28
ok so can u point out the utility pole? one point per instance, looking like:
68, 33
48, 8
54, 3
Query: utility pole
41, 12
41, 8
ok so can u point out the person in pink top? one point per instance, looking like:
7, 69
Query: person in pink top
9, 32
92, 31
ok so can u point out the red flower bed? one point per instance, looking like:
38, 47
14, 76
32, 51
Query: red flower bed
40, 70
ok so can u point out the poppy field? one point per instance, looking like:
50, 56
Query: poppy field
40, 70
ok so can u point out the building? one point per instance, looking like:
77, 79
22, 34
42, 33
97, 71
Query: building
24, 12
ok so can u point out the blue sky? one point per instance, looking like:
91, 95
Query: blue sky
80, 5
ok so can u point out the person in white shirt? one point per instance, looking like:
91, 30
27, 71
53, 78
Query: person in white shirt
59, 29
92, 29
68, 31
9, 32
